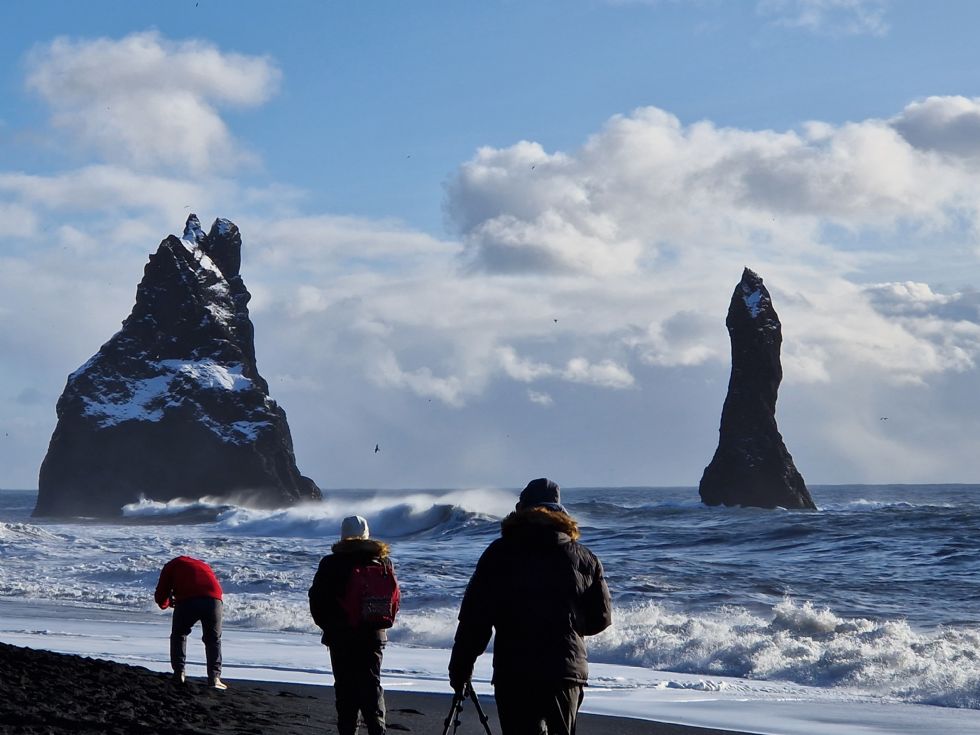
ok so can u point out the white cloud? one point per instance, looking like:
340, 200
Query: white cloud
948, 125
704, 201
144, 101
520, 369
647, 191
109, 189
420, 381
327, 244
606, 373
541, 399
832, 17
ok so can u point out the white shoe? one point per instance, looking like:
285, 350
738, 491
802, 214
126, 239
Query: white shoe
216, 683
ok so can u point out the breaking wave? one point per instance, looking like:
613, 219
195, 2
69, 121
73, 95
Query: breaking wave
390, 515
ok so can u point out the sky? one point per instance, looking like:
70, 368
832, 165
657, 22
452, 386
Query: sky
498, 239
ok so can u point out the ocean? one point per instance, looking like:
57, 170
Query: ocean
874, 597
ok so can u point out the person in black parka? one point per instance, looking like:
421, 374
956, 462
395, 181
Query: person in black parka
542, 592
355, 653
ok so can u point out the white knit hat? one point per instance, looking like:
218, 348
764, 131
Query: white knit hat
354, 527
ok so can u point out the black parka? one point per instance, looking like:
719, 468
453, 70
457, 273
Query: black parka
330, 584
541, 591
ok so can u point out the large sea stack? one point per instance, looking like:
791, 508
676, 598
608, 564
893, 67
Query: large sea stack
173, 405
751, 466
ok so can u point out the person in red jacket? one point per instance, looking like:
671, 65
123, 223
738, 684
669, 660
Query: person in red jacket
190, 587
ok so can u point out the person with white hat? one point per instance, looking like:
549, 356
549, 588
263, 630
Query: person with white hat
354, 599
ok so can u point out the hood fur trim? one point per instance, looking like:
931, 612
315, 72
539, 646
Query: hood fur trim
543, 518
361, 546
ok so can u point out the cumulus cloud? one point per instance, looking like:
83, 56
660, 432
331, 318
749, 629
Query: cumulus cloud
637, 238
144, 101
833, 17
948, 125
648, 191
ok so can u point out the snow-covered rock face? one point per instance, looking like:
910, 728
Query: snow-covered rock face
753, 302
751, 466
173, 404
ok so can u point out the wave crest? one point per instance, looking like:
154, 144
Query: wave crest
804, 645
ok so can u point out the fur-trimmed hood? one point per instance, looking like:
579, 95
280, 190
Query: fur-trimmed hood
539, 518
366, 546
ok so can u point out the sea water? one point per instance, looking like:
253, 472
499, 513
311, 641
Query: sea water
875, 597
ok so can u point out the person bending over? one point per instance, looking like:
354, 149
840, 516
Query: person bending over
191, 588
354, 599
542, 592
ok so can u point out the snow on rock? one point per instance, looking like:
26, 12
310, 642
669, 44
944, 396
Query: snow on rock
752, 302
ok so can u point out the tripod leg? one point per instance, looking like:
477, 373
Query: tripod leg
479, 710
453, 717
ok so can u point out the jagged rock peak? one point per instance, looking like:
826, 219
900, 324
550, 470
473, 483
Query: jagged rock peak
222, 244
752, 466
173, 405
192, 230
754, 294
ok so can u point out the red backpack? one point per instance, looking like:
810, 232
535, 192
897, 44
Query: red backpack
372, 597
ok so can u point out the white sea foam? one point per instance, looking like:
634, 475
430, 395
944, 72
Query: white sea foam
145, 508
23, 531
802, 644
389, 515
798, 644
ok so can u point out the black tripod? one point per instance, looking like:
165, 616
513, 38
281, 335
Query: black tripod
452, 719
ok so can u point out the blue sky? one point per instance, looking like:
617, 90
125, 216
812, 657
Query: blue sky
423, 188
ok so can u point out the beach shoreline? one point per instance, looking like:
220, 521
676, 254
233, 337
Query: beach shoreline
46, 692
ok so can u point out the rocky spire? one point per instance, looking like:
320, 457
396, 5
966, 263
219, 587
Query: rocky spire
173, 405
751, 466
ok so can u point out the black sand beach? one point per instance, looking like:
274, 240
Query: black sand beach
53, 693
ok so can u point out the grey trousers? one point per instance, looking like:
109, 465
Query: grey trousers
357, 685
208, 612
530, 711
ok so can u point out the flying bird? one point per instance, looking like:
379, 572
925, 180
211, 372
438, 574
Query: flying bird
376, 449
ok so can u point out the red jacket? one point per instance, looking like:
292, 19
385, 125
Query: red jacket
183, 578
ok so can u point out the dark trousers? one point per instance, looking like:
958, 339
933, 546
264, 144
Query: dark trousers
357, 685
531, 711
207, 611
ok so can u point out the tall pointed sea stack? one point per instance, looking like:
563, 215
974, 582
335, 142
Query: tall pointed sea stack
173, 406
751, 466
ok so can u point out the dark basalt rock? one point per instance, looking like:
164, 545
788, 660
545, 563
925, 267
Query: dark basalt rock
751, 466
173, 406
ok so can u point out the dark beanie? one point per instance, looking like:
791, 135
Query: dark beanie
543, 492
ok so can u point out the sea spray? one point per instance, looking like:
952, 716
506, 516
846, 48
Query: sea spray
802, 644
